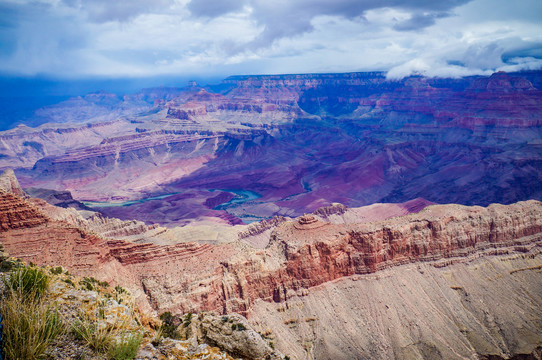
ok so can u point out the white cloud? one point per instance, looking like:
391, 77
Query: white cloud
74, 38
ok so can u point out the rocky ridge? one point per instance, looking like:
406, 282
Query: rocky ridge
302, 258
86, 303
301, 253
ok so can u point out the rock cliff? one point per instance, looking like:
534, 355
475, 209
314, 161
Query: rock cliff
305, 259
300, 142
483, 308
300, 254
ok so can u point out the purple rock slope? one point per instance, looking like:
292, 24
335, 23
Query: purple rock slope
288, 144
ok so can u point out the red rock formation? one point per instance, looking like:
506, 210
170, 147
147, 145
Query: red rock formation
16, 213
329, 252
31, 235
302, 254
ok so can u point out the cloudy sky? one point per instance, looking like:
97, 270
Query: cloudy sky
144, 38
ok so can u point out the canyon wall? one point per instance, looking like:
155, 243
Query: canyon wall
299, 142
323, 274
483, 308
301, 254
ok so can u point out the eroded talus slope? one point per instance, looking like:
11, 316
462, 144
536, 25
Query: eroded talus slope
488, 306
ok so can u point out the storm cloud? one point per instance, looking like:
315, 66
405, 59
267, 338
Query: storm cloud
83, 38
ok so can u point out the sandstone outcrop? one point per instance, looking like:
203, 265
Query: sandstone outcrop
16, 213
9, 183
231, 333
303, 256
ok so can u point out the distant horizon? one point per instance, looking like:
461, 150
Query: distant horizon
21, 86
20, 97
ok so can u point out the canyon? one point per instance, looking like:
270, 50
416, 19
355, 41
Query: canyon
346, 216
297, 142
316, 282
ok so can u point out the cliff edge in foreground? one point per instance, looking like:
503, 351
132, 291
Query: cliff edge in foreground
447, 282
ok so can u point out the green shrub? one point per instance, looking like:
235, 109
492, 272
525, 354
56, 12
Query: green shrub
69, 282
91, 283
126, 348
97, 337
6, 265
86, 284
187, 319
169, 327
56, 270
29, 324
30, 281
239, 327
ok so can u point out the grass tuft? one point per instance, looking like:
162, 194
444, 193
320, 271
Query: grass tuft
126, 347
98, 337
29, 325
106, 338
28, 281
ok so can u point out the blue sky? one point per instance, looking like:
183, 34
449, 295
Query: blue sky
81, 39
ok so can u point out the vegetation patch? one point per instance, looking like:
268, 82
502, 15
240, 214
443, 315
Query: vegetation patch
30, 324
290, 321
169, 325
537, 267
126, 347
27, 281
92, 284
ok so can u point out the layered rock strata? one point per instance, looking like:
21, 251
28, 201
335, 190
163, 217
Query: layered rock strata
301, 254
300, 142
307, 259
484, 308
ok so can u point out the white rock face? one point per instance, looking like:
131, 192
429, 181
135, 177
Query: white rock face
231, 333
234, 334
9, 183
